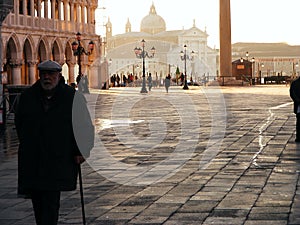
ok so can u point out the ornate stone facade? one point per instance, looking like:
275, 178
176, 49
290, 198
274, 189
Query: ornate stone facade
39, 30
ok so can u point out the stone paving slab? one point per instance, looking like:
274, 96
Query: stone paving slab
209, 155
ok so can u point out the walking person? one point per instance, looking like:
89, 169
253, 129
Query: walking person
167, 82
79, 82
55, 134
295, 95
85, 84
150, 81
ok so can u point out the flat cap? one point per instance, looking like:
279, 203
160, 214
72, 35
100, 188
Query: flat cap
49, 65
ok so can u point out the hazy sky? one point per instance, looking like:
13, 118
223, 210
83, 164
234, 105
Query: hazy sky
252, 21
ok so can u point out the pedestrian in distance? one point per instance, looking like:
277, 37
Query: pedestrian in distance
149, 81
56, 135
79, 82
167, 82
295, 95
85, 84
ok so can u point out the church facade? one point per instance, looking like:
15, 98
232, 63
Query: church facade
202, 60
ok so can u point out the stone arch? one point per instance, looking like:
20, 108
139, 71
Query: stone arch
69, 53
27, 58
42, 50
13, 47
31, 55
29, 69
70, 61
12, 62
57, 52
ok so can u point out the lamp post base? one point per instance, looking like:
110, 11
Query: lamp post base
144, 90
185, 87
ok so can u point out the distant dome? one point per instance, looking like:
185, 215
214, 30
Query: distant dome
153, 23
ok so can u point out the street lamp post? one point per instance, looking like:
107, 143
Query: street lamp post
142, 54
294, 72
184, 57
79, 50
260, 66
252, 70
247, 55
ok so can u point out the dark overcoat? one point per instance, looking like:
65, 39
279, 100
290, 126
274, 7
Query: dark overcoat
295, 93
167, 82
47, 140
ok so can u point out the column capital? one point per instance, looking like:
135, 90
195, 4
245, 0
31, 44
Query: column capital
32, 62
16, 63
71, 62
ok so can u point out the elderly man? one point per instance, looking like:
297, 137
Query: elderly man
56, 134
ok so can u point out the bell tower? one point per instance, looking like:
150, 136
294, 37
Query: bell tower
128, 26
108, 29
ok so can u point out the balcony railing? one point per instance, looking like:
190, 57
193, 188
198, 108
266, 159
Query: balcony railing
39, 23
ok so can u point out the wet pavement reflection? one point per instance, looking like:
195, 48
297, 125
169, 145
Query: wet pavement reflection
8, 142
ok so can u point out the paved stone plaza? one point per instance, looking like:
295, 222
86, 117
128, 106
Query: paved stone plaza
209, 155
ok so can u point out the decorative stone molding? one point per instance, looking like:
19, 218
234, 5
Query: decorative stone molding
16, 63
32, 63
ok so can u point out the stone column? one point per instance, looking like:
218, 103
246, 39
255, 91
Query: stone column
71, 73
16, 11
46, 9
39, 8
32, 8
72, 16
66, 12
32, 71
82, 13
53, 9
32, 13
24, 6
95, 75
16, 73
225, 39
59, 10
88, 14
66, 19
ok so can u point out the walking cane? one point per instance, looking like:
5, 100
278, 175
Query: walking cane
81, 195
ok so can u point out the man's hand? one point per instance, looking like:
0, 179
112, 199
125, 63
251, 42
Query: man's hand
79, 159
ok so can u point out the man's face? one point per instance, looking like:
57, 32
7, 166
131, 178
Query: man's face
49, 79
